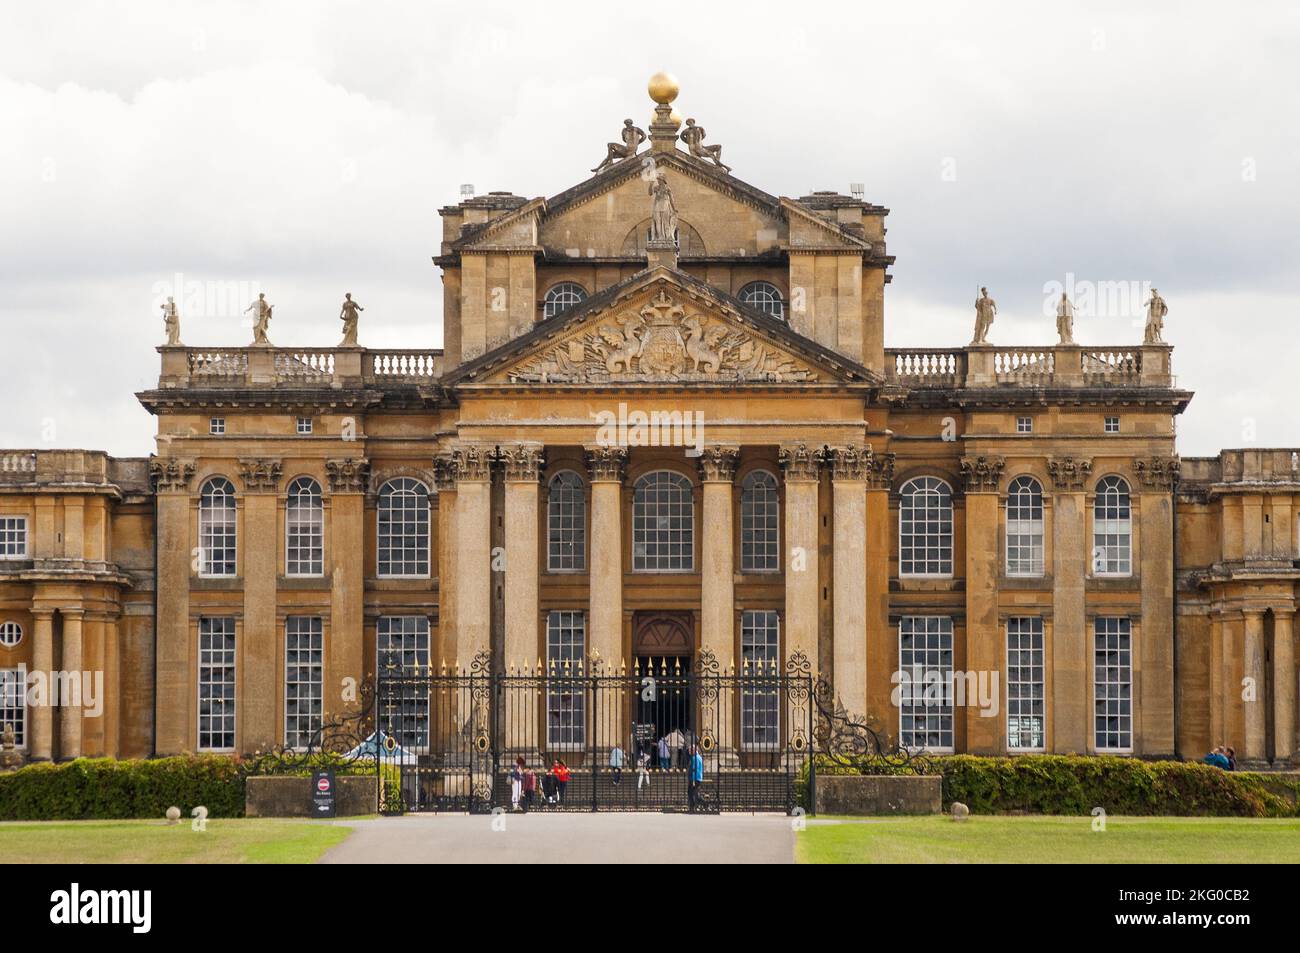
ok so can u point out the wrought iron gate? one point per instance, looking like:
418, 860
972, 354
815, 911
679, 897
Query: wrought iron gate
575, 736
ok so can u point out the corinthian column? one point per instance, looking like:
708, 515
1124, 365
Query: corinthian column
523, 465
717, 580
849, 570
605, 620
474, 552
799, 466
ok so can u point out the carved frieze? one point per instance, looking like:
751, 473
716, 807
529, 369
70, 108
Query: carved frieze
1068, 473
982, 474
1158, 473
349, 475
664, 341
523, 462
260, 476
171, 476
799, 462
605, 464
718, 464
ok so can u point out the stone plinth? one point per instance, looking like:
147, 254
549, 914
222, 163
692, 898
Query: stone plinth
861, 794
285, 796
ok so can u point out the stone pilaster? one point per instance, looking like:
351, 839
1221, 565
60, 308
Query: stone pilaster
349, 479
849, 468
176, 533
259, 684
522, 467
1253, 749
1284, 685
1154, 717
605, 617
444, 475
984, 640
717, 577
799, 468
474, 552
880, 646
1071, 718
40, 741
69, 713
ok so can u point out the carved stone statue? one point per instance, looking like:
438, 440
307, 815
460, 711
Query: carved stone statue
348, 315
172, 322
1065, 319
663, 212
10, 756
693, 136
261, 309
1156, 311
615, 151
985, 309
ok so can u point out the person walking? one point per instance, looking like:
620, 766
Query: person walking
642, 770
530, 788
561, 780
696, 778
616, 763
664, 762
516, 782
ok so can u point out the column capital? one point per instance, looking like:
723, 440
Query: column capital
348, 475
73, 612
1158, 473
848, 464
880, 471
472, 464
799, 463
718, 464
523, 462
260, 476
606, 464
171, 476
982, 474
444, 473
1067, 473
41, 614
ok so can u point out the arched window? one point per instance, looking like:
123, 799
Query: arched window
403, 528
11, 633
764, 296
925, 528
217, 542
760, 547
562, 297
1112, 528
663, 523
304, 529
1024, 527
566, 523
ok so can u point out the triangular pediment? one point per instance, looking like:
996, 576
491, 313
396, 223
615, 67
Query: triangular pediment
662, 327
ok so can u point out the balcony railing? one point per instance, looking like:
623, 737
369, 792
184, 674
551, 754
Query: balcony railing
987, 366
318, 367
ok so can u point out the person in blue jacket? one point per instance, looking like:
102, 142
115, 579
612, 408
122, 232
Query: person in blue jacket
696, 778
1218, 759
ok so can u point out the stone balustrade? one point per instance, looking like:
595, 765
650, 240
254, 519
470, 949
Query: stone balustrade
1061, 365
318, 367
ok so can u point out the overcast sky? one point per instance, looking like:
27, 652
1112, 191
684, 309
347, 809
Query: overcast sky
304, 148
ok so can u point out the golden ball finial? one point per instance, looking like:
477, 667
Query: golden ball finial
663, 88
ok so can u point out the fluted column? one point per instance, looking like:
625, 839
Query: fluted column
849, 570
1284, 685
69, 713
799, 467
1255, 715
605, 619
474, 552
40, 741
717, 545
523, 465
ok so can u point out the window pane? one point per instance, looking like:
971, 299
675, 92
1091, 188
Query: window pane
304, 669
663, 523
1113, 684
402, 644
217, 684
217, 522
403, 535
925, 697
304, 524
1026, 712
760, 546
925, 528
566, 524
760, 695
565, 689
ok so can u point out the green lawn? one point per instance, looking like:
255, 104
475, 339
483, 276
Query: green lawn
1049, 840
235, 841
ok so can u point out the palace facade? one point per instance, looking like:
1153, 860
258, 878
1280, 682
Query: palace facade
663, 422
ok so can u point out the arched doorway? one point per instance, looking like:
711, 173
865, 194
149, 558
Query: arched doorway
663, 646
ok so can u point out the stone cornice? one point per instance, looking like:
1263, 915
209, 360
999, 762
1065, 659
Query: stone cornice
1158, 473
523, 463
799, 463
260, 476
171, 476
606, 464
1067, 473
982, 474
718, 464
349, 475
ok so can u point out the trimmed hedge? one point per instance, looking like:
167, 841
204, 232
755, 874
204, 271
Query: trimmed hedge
1073, 784
104, 788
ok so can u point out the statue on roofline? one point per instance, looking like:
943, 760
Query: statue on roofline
616, 151
693, 136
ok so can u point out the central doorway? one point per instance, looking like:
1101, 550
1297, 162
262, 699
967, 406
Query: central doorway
663, 646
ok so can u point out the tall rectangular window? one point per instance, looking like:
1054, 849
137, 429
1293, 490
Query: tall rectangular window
925, 686
566, 636
1113, 684
1026, 708
304, 679
216, 684
760, 694
402, 644
760, 517
13, 703
13, 537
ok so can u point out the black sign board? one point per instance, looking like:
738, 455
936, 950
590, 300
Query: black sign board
643, 733
322, 793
